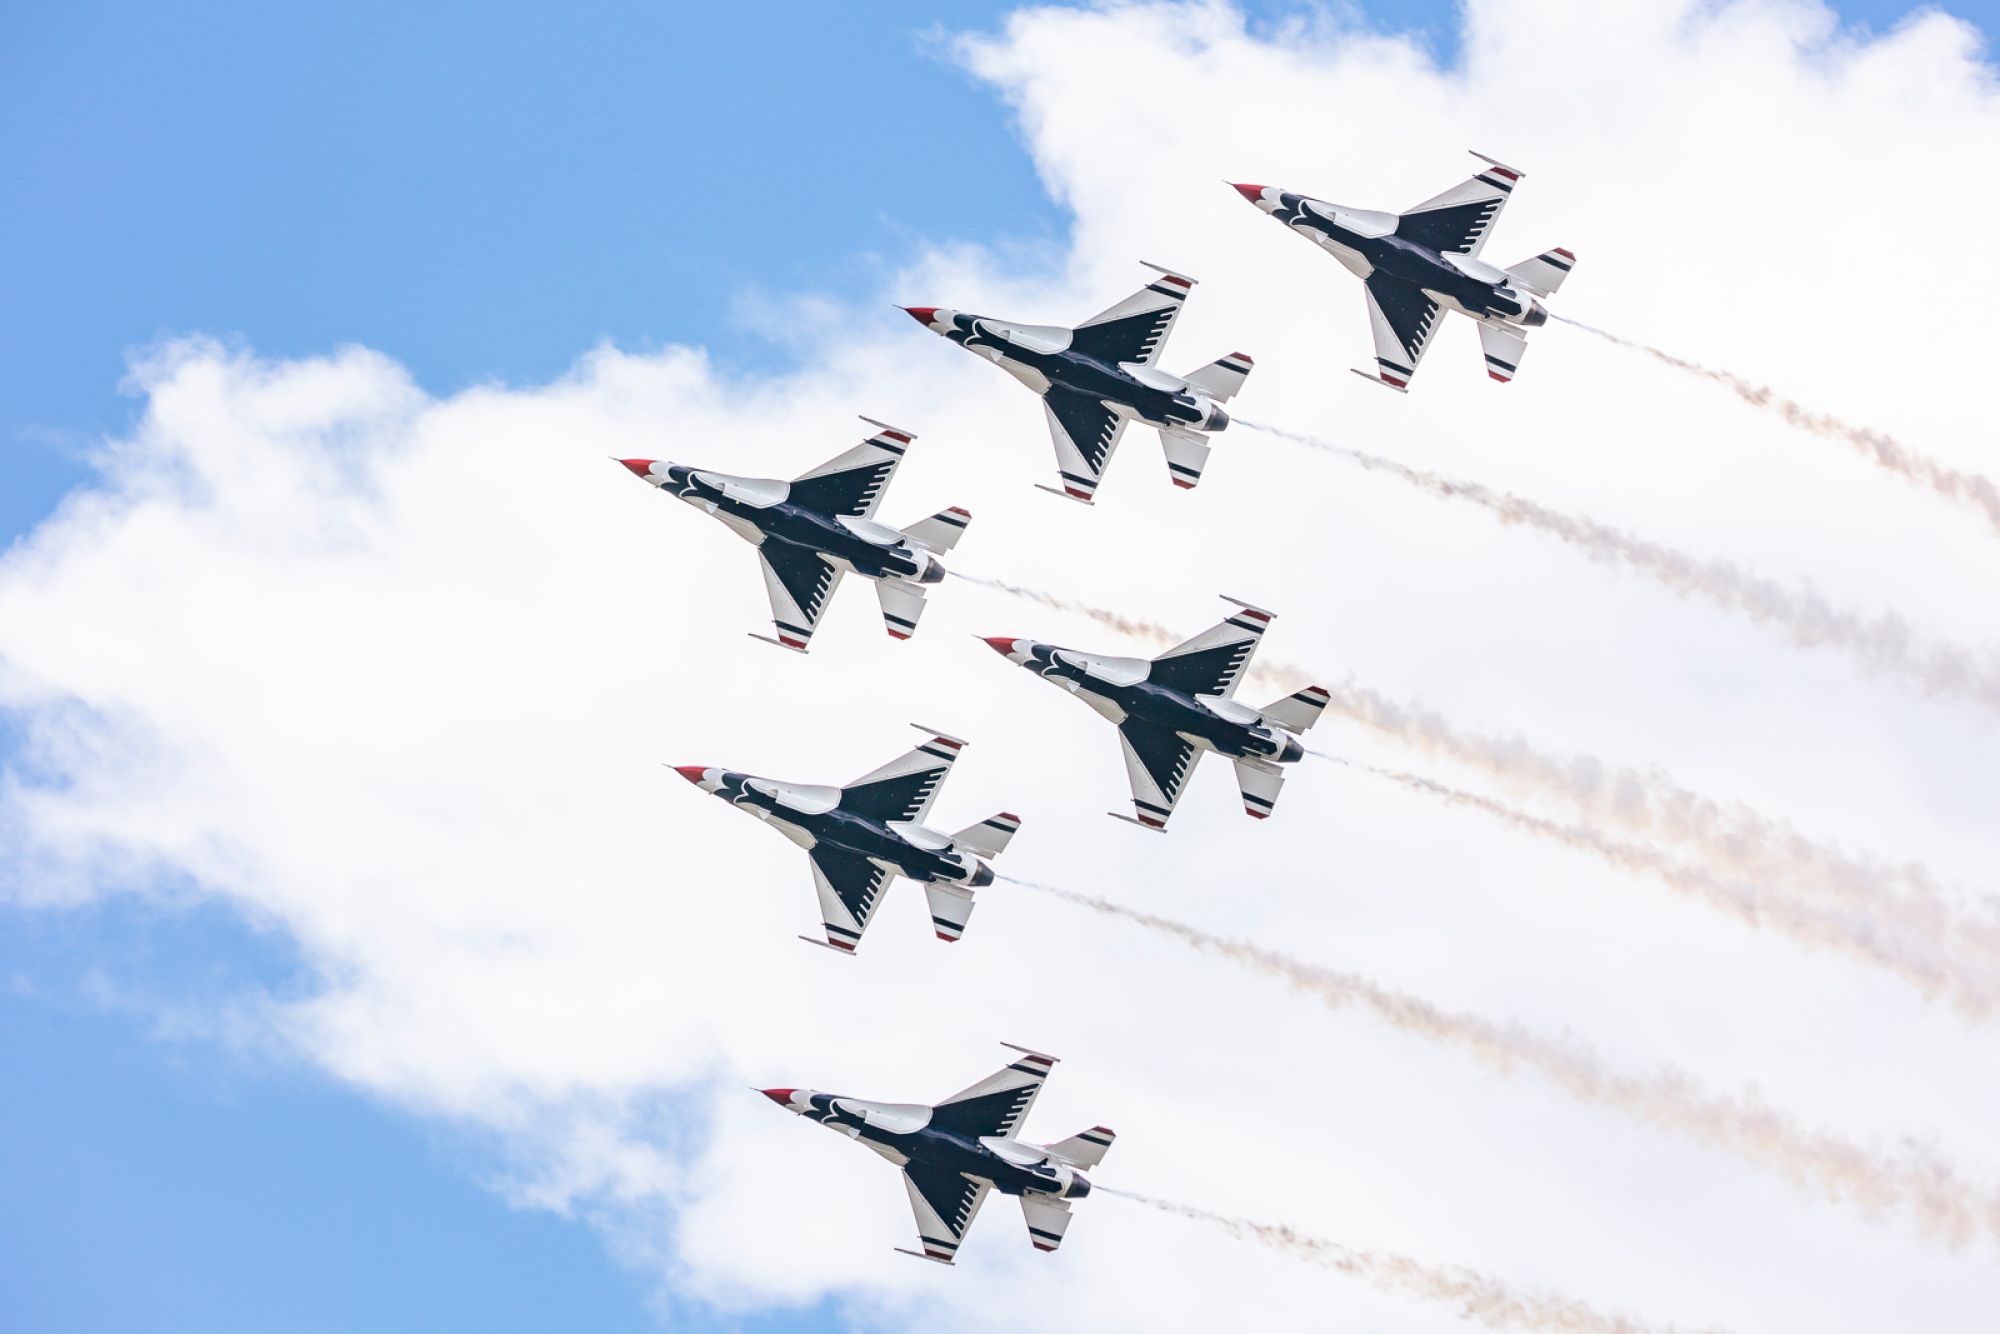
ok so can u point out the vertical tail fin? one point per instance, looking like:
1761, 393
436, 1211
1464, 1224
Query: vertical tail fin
940, 532
1543, 274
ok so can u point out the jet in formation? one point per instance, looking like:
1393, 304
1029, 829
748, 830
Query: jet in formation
1416, 263
1095, 378
813, 529
860, 836
1170, 709
956, 1152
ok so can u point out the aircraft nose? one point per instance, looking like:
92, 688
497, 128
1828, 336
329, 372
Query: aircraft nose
783, 1097
1253, 193
694, 773
923, 315
1004, 647
640, 467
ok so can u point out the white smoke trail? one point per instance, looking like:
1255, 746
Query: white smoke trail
1883, 644
1478, 1296
1911, 1180
1883, 450
1924, 963
1731, 838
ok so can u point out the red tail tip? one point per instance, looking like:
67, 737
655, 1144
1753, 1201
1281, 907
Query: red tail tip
692, 772
639, 467
783, 1097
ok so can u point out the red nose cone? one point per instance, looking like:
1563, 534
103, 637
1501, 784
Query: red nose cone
1003, 647
783, 1097
1253, 193
639, 467
922, 314
691, 772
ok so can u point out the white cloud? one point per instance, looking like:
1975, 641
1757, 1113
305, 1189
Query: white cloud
397, 675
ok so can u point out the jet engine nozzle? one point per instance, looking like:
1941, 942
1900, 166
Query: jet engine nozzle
933, 571
1079, 1186
1217, 419
982, 875
1536, 315
1291, 751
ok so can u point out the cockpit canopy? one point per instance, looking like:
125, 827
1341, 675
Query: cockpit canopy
806, 798
898, 1118
1033, 337
757, 492
1114, 671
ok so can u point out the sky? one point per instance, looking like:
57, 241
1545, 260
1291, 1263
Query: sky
421, 249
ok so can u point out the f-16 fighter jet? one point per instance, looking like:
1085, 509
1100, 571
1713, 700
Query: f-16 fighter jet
813, 529
954, 1153
1095, 378
861, 835
1415, 263
1172, 708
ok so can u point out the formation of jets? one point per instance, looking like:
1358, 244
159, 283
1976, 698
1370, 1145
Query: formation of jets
1093, 380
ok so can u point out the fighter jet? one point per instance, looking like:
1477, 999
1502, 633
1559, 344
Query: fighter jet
954, 1153
1095, 378
1172, 708
1417, 262
813, 529
861, 835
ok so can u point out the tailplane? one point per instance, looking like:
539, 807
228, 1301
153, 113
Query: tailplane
1543, 274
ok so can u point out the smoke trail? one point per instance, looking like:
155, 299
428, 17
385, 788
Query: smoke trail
1479, 1296
1881, 644
1730, 837
1880, 449
1926, 964
1913, 1180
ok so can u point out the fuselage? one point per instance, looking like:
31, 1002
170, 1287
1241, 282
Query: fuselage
758, 510
1118, 689
1365, 242
811, 817
902, 1133
1041, 357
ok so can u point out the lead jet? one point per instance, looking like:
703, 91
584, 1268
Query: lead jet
954, 1153
860, 836
1171, 709
813, 529
1095, 378
1416, 263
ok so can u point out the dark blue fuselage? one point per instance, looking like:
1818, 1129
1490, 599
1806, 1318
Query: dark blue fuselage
1170, 709
1408, 261
1072, 372
793, 525
850, 832
948, 1151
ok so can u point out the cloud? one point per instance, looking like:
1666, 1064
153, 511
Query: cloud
397, 674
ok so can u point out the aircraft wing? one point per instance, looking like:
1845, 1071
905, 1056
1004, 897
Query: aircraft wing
904, 788
945, 1203
1085, 433
849, 888
1458, 220
997, 1104
1136, 328
800, 584
1402, 319
1158, 762
852, 483
1213, 662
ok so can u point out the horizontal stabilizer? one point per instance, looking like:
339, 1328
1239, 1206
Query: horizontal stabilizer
1222, 380
902, 603
1187, 455
951, 906
1261, 784
1297, 712
1087, 1149
1543, 274
990, 836
940, 532
1504, 348
1047, 1218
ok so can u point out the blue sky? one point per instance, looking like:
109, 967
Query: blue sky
479, 193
